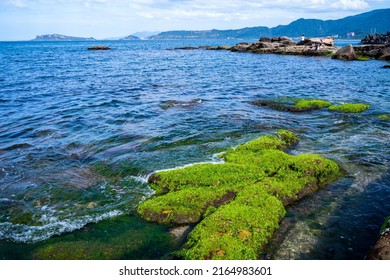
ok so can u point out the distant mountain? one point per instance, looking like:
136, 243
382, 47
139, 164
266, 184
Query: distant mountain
145, 34
58, 37
377, 21
129, 38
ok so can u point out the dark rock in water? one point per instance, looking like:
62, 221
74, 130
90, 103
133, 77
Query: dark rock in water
99, 48
292, 104
376, 39
345, 53
387, 66
181, 104
185, 48
381, 249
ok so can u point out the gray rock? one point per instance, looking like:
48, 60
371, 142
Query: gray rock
345, 53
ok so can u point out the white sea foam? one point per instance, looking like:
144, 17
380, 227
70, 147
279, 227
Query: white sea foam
31, 234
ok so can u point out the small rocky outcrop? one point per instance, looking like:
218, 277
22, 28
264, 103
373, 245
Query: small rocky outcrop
375, 39
99, 48
345, 53
373, 51
381, 249
241, 47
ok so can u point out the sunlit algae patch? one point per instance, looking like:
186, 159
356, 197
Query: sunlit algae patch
236, 205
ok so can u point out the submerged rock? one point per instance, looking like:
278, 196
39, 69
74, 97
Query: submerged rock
180, 104
292, 104
350, 108
99, 48
385, 117
237, 205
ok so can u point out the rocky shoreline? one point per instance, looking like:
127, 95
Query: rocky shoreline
306, 47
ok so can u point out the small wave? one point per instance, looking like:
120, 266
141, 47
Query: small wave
31, 234
216, 160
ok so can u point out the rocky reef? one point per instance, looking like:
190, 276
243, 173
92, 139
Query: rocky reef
236, 205
285, 45
307, 47
292, 104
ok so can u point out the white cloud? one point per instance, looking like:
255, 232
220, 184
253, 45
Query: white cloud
350, 4
17, 3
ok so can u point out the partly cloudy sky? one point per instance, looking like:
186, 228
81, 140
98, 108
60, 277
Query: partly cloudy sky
24, 19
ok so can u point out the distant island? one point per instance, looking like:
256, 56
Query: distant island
358, 26
129, 38
58, 37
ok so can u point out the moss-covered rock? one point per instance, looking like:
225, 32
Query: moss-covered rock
350, 108
237, 204
237, 230
385, 117
293, 104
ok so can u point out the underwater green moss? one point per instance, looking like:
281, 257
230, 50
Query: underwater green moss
310, 104
237, 205
293, 104
350, 108
385, 117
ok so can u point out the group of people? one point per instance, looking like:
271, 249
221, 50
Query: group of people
314, 46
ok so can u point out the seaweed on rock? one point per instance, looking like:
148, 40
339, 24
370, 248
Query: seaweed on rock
236, 205
293, 104
350, 108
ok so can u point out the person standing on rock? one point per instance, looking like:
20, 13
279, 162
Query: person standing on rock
302, 38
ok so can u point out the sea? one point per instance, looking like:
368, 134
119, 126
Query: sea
81, 130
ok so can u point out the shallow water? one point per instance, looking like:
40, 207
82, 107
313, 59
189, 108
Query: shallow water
80, 130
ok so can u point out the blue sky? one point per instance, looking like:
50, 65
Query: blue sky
24, 19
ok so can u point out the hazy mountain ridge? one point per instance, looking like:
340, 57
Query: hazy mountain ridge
376, 21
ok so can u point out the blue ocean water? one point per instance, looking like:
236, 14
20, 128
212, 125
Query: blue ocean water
69, 116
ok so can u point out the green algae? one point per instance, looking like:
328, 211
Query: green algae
237, 205
385, 117
350, 108
293, 104
236, 230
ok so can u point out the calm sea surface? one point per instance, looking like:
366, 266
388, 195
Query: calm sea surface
81, 130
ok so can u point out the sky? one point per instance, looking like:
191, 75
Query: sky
24, 19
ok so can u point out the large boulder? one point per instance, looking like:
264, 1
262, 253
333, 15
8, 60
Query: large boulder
345, 53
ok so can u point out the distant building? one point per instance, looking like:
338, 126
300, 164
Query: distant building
350, 34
